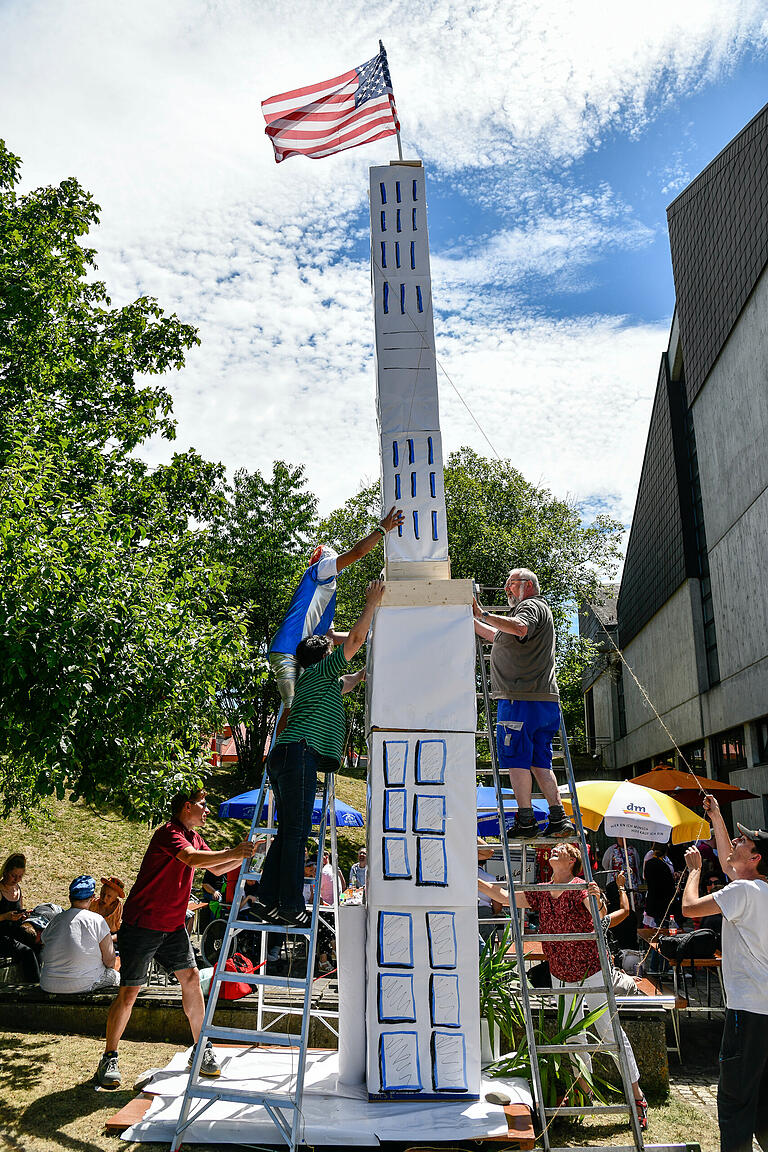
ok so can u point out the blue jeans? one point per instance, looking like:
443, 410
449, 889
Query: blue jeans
292, 771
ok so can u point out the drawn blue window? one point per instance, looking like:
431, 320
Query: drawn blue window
394, 947
383, 254
383, 221
399, 222
444, 1005
384, 193
434, 525
429, 813
411, 452
432, 485
430, 761
397, 253
395, 760
397, 486
396, 1003
397, 191
413, 483
395, 810
419, 300
413, 255
395, 454
449, 1061
431, 862
413, 219
441, 937
414, 191
399, 1061
396, 865
430, 451
386, 297
402, 298
416, 525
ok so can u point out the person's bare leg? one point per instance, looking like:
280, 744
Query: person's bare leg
192, 999
547, 781
119, 1015
522, 786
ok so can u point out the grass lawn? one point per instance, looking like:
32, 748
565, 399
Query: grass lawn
48, 1102
74, 838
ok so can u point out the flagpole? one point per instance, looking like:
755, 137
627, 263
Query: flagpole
383, 53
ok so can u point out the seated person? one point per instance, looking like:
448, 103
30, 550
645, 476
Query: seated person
109, 902
359, 870
78, 952
17, 943
714, 923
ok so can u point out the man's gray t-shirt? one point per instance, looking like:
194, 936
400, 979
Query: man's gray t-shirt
524, 669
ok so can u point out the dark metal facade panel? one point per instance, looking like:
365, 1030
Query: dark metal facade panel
718, 234
654, 567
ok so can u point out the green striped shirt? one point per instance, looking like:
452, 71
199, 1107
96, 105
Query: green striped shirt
317, 712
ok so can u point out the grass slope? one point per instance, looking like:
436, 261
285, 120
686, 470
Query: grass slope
70, 839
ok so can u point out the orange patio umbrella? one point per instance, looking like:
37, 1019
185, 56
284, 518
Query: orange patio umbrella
683, 786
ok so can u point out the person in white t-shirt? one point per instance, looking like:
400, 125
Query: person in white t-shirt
742, 1092
78, 952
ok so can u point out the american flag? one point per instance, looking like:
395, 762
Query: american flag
351, 109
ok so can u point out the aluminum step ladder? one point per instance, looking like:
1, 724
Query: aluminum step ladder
546, 1114
283, 1108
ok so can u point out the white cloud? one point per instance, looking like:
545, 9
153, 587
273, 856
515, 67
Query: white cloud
155, 108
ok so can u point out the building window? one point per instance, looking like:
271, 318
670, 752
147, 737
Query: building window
761, 740
666, 760
695, 756
702, 555
728, 752
589, 716
621, 710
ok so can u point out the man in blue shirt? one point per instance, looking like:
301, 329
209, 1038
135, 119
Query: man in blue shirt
310, 612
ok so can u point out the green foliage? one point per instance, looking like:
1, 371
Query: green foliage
262, 534
114, 623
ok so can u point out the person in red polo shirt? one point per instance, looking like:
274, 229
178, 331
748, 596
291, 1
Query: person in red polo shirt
153, 926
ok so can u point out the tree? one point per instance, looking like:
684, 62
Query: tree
498, 520
262, 535
115, 626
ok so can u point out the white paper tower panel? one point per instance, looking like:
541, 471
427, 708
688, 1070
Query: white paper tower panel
421, 669
422, 1009
422, 785
402, 296
412, 478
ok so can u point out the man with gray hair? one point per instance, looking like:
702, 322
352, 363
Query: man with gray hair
528, 711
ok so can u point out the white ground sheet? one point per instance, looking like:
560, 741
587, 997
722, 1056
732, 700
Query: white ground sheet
334, 1113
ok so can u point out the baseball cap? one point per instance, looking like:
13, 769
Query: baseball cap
756, 834
82, 888
37, 922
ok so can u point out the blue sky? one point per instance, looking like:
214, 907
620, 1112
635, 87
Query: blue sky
553, 142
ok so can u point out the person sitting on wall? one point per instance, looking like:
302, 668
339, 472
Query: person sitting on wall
17, 944
310, 612
573, 963
109, 902
311, 742
78, 952
528, 715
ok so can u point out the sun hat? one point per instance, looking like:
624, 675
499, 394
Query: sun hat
115, 883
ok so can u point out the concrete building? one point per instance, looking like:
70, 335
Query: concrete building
692, 610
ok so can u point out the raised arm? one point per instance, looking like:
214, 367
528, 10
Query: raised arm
393, 519
722, 839
490, 620
351, 681
217, 862
694, 905
359, 629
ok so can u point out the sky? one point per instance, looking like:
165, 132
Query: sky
553, 134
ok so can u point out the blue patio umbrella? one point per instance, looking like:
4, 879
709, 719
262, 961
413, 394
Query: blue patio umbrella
488, 816
243, 807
